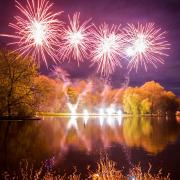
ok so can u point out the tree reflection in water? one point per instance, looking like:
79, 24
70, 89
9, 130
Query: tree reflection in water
53, 137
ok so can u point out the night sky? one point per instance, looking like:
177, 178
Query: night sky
165, 13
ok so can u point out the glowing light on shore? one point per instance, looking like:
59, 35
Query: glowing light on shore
101, 112
72, 122
107, 48
73, 116
119, 118
101, 120
119, 113
85, 116
72, 108
146, 45
111, 110
75, 39
37, 30
101, 116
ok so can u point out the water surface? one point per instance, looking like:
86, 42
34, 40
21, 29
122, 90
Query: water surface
61, 143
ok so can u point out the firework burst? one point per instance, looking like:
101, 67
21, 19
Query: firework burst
37, 31
75, 39
146, 45
107, 48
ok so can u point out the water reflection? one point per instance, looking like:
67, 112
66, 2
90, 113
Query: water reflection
54, 137
152, 135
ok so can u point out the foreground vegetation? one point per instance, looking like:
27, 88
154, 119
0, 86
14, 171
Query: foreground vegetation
106, 170
23, 92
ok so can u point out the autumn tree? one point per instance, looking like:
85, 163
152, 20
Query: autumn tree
49, 94
166, 103
162, 101
149, 98
72, 94
178, 101
132, 101
145, 106
16, 84
152, 90
44, 88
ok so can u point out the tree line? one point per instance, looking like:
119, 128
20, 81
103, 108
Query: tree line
23, 92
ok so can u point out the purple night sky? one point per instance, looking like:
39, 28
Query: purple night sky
165, 13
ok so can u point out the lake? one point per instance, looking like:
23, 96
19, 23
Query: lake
62, 143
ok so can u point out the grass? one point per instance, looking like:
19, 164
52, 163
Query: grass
106, 170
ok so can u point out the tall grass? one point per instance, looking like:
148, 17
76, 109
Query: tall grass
106, 170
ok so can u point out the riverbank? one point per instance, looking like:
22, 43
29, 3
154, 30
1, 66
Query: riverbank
39, 114
16, 118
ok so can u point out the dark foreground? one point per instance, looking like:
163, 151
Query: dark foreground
106, 169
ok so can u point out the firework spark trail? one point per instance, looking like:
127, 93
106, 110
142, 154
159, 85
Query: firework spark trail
104, 94
86, 90
61, 74
37, 31
107, 48
124, 85
146, 44
75, 39
80, 97
64, 76
116, 96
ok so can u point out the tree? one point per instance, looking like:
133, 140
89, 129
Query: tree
132, 101
72, 94
149, 98
152, 90
16, 84
49, 94
166, 103
145, 106
45, 93
178, 101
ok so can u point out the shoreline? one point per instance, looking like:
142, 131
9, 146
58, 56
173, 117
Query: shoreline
95, 115
39, 116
